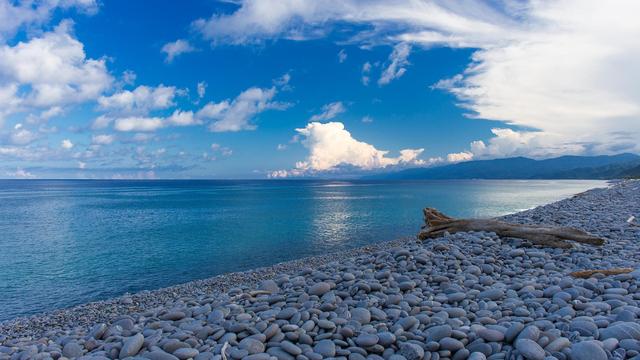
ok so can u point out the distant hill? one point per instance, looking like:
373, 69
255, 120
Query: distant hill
564, 167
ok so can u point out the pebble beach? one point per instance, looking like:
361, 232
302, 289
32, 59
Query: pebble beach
462, 296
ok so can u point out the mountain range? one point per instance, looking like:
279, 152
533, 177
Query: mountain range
564, 167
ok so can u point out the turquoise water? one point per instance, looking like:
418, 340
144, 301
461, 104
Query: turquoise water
67, 242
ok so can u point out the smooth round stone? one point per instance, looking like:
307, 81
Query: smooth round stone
72, 350
411, 351
531, 332
361, 315
587, 350
132, 346
386, 338
456, 297
436, 333
558, 344
290, 348
326, 324
529, 349
186, 353
281, 354
490, 335
491, 294
325, 348
366, 340
584, 327
319, 289
286, 314
173, 316
620, 331
98, 330
450, 344
269, 285
513, 331
477, 356
253, 346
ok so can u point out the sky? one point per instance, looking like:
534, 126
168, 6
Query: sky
310, 88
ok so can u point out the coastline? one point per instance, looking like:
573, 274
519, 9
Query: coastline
143, 304
105, 310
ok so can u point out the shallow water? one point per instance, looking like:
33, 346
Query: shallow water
66, 242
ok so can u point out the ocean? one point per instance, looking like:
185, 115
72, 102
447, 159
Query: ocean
66, 242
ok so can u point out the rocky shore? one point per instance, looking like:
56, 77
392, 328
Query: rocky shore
463, 296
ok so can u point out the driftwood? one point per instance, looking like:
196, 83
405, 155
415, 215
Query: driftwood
436, 224
585, 274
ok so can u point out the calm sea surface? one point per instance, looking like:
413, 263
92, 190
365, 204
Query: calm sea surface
68, 242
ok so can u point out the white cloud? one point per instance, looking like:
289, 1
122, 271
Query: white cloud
101, 122
138, 123
331, 146
329, 111
22, 136
222, 150
21, 174
283, 82
140, 101
102, 139
459, 157
202, 88
342, 56
366, 70
176, 48
508, 143
17, 14
66, 144
367, 119
281, 147
182, 118
565, 68
129, 77
397, 64
54, 70
237, 114
257, 20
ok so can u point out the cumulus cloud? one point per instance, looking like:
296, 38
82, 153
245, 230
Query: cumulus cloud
237, 114
52, 70
565, 69
17, 14
176, 48
138, 123
141, 100
397, 64
329, 111
66, 144
459, 156
331, 147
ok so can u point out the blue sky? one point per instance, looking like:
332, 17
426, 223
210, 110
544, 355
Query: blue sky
258, 89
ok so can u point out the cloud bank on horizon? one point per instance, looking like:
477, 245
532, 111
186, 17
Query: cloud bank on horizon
556, 77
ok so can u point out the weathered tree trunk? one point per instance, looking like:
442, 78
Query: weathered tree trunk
585, 274
436, 224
